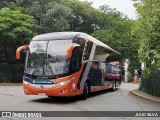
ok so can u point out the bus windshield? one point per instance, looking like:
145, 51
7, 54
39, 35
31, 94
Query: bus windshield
48, 58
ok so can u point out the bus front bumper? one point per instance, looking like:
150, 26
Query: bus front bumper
47, 89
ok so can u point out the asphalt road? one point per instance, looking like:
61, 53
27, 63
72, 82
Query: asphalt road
12, 98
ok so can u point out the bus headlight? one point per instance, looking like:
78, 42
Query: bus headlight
65, 82
25, 82
73, 86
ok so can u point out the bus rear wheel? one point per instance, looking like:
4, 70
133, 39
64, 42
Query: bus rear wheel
113, 85
85, 91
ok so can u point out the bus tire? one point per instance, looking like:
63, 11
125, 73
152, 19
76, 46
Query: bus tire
50, 96
85, 91
113, 85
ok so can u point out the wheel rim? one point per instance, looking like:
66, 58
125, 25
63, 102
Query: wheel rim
113, 85
87, 90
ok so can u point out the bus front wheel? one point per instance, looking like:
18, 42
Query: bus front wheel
85, 91
51, 96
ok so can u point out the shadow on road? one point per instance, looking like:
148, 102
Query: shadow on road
94, 94
67, 100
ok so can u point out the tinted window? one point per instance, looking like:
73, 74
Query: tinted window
87, 50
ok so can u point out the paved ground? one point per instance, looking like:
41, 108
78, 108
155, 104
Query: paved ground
13, 99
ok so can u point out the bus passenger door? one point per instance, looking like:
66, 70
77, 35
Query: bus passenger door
95, 74
103, 70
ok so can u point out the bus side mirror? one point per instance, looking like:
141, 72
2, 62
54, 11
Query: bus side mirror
21, 48
70, 49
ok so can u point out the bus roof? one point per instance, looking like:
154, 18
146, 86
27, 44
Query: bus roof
57, 36
102, 44
70, 35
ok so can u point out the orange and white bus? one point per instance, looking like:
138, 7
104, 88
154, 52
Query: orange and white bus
68, 64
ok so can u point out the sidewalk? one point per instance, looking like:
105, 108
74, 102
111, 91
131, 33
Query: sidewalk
145, 95
11, 84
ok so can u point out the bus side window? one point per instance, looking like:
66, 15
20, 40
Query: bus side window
87, 50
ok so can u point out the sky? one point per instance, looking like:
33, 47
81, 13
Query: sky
124, 6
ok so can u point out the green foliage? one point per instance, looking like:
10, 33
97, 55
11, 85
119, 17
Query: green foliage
15, 30
84, 18
130, 77
49, 15
158, 60
116, 33
147, 28
5, 3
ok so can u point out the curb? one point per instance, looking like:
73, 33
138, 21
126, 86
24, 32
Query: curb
11, 84
145, 97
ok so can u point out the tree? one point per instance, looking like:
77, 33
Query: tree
49, 15
116, 32
5, 3
16, 29
84, 18
147, 28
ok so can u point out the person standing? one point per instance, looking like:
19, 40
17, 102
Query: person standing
136, 72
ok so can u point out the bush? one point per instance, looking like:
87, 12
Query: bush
130, 77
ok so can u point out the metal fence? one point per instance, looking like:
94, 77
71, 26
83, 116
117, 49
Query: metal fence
152, 84
11, 73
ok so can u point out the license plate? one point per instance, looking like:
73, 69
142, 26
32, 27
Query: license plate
42, 94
